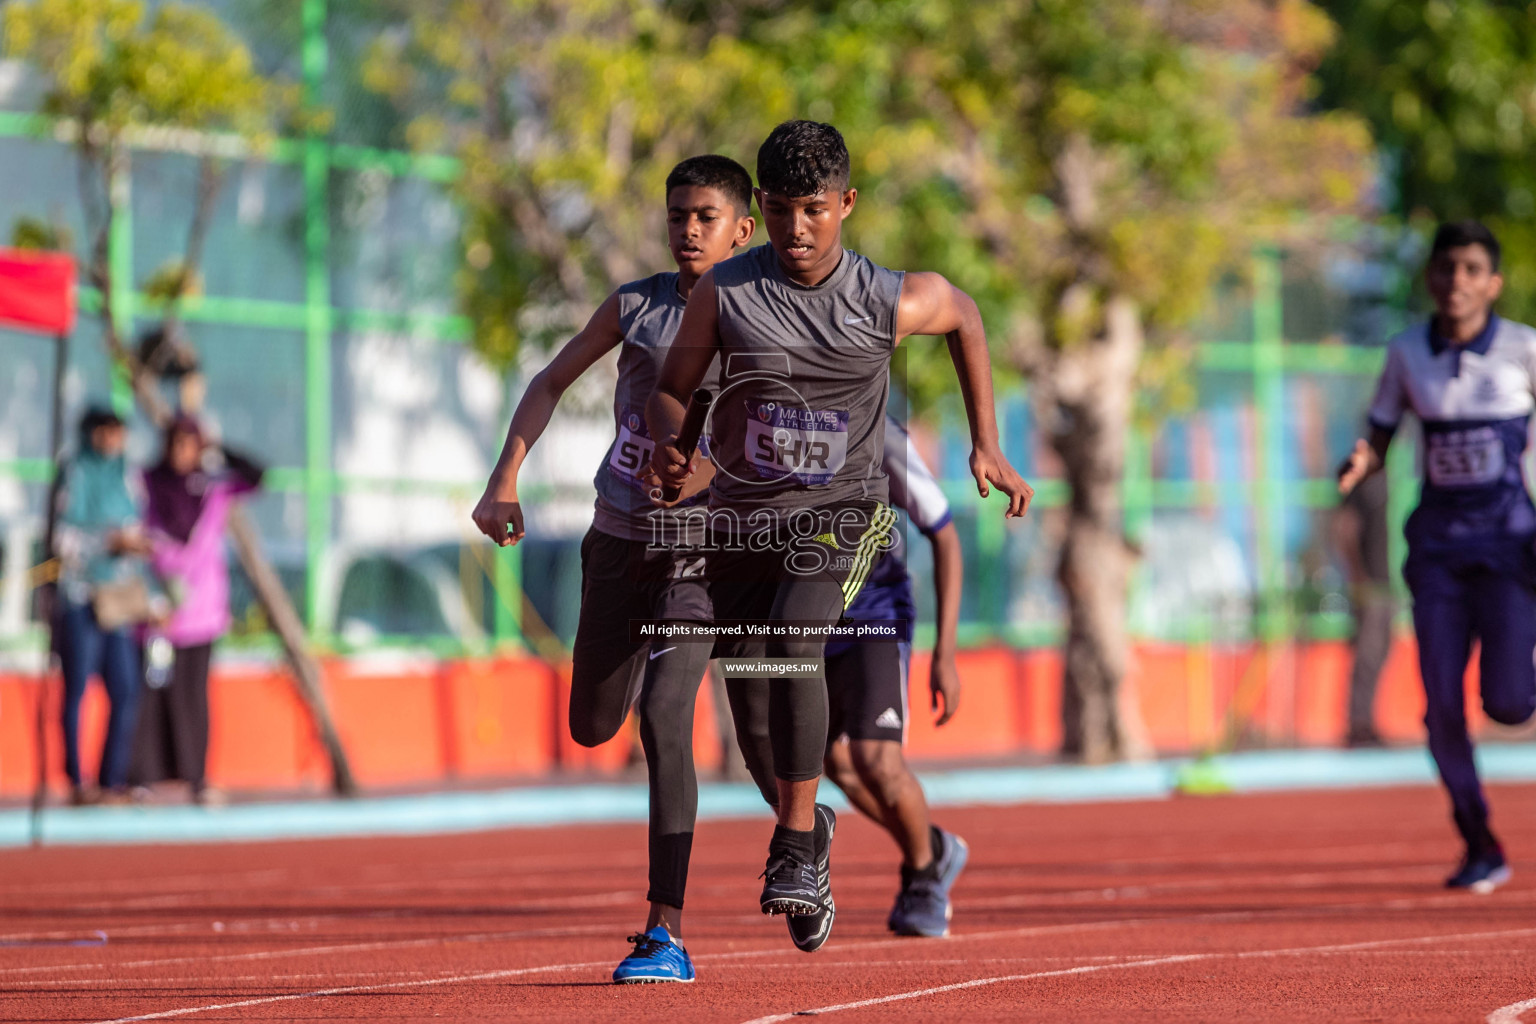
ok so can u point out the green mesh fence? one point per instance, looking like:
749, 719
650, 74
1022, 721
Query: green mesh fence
324, 242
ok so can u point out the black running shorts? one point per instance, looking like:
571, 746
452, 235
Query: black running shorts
831, 547
867, 691
624, 580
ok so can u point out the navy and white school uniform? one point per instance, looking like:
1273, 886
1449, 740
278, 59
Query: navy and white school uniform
1471, 565
867, 679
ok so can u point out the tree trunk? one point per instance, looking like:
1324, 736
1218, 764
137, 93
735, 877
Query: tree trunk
1088, 396
285, 623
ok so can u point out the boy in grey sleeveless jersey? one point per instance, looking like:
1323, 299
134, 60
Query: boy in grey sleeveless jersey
625, 575
805, 330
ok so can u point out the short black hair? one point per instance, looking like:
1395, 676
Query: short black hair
98, 416
714, 171
803, 158
1457, 233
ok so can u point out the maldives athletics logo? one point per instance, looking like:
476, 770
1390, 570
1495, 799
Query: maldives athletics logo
807, 445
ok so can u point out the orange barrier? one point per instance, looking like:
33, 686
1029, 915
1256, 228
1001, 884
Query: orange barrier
992, 702
505, 718
500, 717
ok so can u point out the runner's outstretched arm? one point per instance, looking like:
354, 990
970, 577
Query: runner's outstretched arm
498, 507
931, 305
697, 341
1367, 457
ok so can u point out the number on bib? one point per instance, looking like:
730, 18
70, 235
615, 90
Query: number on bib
630, 456
1469, 459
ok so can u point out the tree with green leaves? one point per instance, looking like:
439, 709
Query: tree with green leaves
1449, 90
177, 78
1085, 170
567, 117
118, 74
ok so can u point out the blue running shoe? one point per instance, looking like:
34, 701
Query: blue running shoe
1481, 872
657, 957
923, 907
810, 932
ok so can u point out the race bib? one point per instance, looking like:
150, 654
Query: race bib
1464, 458
630, 457
789, 442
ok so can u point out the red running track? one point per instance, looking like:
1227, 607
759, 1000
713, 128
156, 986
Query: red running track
1291, 907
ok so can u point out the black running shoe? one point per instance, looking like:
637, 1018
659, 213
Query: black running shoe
811, 931
791, 886
1481, 872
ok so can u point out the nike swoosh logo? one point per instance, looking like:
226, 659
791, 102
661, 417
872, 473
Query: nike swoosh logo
657, 654
857, 319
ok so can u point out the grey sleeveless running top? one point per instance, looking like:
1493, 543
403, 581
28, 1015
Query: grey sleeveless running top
649, 313
799, 421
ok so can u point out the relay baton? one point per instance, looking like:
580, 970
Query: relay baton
688, 435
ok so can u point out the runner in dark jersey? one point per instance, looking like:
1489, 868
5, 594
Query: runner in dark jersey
625, 575
804, 330
1470, 378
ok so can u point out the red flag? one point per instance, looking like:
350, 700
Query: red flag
37, 291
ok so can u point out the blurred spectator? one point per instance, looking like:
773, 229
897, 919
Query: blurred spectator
188, 505
103, 595
1360, 534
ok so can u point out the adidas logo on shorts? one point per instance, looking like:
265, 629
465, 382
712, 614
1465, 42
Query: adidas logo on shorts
889, 719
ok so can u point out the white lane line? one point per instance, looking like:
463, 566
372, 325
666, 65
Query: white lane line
310, 894
816, 964
541, 875
1298, 880
550, 870
351, 947
1512, 1013
1154, 962
415, 983
484, 976
777, 950
975, 961
178, 883
977, 983
345, 990
1231, 916
276, 981
1179, 859
597, 929
999, 933
1106, 958
1142, 890
288, 925
266, 979
1227, 916
267, 925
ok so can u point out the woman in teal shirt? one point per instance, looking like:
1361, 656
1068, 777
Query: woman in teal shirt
99, 543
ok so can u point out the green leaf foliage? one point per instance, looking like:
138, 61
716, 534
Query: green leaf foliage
1449, 89
38, 234
1028, 149
116, 64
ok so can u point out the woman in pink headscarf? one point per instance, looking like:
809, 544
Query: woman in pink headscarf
187, 506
